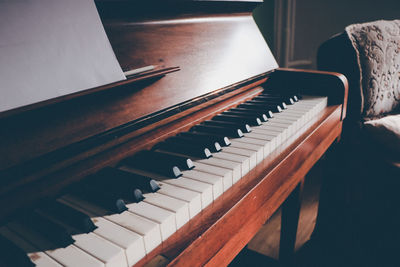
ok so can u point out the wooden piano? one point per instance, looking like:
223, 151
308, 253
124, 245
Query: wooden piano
224, 62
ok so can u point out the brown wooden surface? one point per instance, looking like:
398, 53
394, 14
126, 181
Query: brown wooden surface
212, 52
250, 202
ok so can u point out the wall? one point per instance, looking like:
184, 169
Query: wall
300, 26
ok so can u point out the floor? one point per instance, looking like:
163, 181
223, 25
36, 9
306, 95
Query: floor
359, 229
263, 249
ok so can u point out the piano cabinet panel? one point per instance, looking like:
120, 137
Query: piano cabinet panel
219, 232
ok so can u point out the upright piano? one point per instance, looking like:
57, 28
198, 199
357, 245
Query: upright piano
183, 163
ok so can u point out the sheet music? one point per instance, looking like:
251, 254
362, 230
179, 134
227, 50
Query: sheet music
51, 48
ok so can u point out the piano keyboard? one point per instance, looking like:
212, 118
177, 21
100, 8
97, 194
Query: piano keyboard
108, 223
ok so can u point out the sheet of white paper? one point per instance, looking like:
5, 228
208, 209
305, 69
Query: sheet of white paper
51, 48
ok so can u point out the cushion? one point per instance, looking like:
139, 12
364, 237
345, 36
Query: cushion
377, 46
386, 131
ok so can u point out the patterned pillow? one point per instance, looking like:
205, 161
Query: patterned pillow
386, 131
377, 45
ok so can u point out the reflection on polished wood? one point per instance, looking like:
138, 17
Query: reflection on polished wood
224, 60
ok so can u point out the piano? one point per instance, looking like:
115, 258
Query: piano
178, 168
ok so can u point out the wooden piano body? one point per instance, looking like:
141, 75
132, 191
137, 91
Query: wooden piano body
223, 61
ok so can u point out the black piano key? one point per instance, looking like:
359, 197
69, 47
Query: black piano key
146, 162
244, 127
103, 181
248, 119
145, 183
218, 131
109, 201
240, 111
291, 94
183, 163
12, 255
210, 143
130, 180
182, 140
278, 102
285, 99
189, 150
222, 140
49, 229
64, 213
266, 107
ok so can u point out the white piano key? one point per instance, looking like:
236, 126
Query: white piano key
38, 257
205, 189
224, 173
179, 207
149, 230
207, 178
245, 161
284, 125
102, 249
131, 242
266, 136
70, 256
191, 197
269, 145
165, 218
236, 168
282, 130
256, 148
239, 151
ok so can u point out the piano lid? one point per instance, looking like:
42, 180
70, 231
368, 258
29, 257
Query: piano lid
215, 52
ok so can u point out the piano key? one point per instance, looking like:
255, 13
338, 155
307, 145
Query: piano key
260, 101
70, 255
264, 108
206, 178
189, 150
11, 253
256, 148
52, 231
251, 155
106, 199
237, 158
222, 140
192, 198
218, 131
286, 99
236, 168
91, 243
77, 219
165, 218
108, 253
131, 242
183, 163
258, 114
36, 257
245, 128
212, 145
268, 145
149, 230
150, 161
111, 180
204, 189
179, 207
226, 174
132, 180
267, 133
247, 119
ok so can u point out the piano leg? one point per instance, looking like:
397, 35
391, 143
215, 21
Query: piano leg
289, 222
